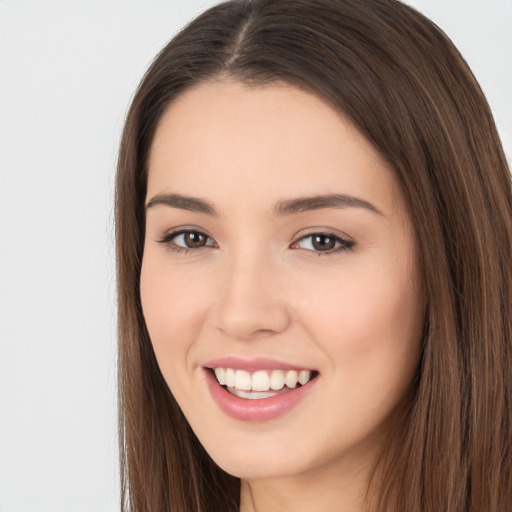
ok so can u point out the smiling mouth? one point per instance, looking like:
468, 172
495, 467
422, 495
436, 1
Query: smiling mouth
262, 383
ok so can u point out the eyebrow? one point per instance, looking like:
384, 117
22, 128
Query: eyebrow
303, 204
283, 208
192, 204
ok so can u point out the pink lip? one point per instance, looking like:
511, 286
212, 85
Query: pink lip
255, 410
252, 365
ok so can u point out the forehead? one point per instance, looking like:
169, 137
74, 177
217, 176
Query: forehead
226, 139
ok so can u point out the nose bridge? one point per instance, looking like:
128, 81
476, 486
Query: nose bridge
251, 302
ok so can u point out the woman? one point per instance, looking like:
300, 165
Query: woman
314, 231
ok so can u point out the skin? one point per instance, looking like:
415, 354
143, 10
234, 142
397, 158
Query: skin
260, 288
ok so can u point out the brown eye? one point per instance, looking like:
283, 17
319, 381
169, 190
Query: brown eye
323, 242
187, 240
193, 239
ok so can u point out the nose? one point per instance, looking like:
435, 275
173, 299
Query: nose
251, 303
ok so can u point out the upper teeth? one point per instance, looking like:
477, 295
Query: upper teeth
262, 380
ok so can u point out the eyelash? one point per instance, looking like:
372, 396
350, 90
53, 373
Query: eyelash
168, 241
341, 244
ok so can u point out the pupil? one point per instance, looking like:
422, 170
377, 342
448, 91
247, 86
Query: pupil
195, 240
323, 242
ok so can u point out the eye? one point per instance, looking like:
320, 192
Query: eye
185, 240
326, 243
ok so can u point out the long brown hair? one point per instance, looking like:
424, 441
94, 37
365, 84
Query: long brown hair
410, 93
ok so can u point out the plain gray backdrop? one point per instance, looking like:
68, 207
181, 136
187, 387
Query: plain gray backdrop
68, 69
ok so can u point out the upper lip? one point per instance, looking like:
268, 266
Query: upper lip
254, 364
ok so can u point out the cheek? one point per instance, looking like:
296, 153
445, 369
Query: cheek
369, 324
173, 307
353, 304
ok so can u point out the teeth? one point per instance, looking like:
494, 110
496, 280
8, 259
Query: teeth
304, 376
243, 380
261, 381
220, 373
291, 379
277, 379
252, 395
230, 378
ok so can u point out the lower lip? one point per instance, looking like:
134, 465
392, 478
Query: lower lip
263, 409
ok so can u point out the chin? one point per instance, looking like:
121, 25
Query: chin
258, 468
266, 457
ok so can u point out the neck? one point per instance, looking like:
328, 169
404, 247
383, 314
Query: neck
335, 489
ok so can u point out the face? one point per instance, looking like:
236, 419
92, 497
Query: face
279, 281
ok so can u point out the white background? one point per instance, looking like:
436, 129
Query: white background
68, 69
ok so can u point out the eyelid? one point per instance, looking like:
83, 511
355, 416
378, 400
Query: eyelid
322, 230
168, 237
342, 241
345, 242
